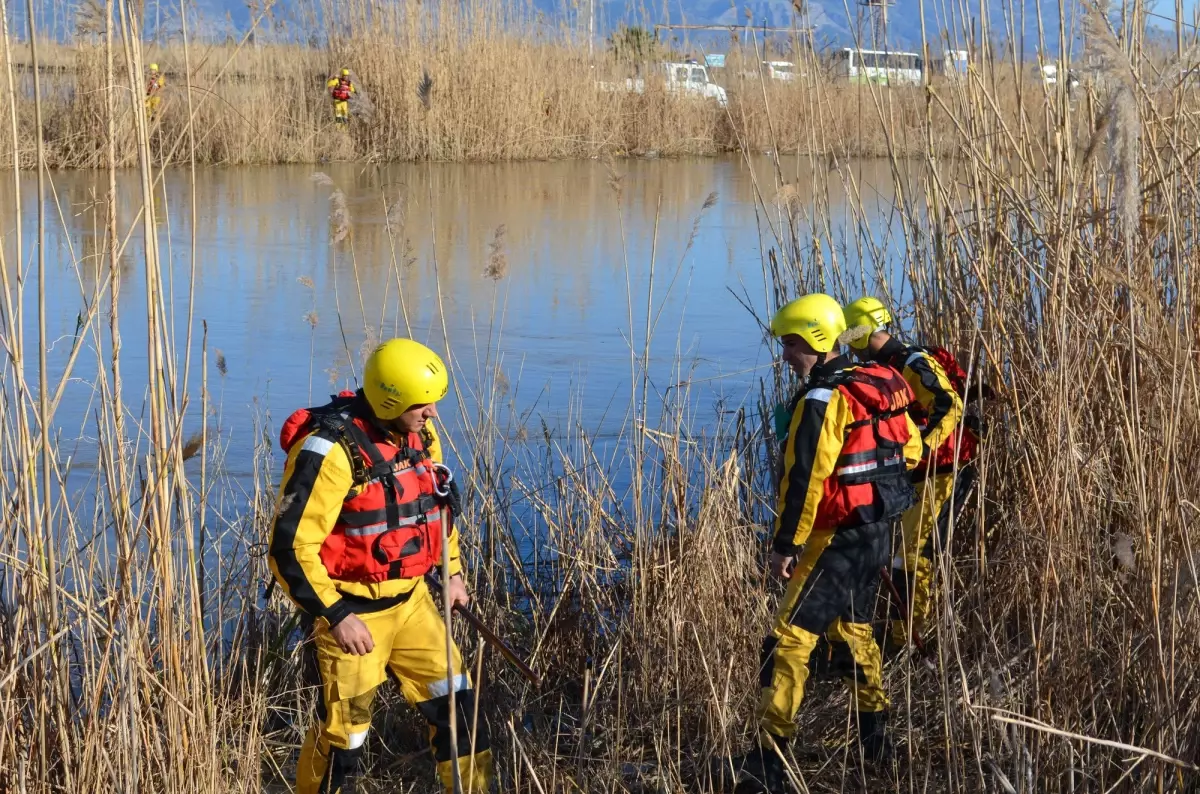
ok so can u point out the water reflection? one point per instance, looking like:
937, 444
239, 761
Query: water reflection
580, 241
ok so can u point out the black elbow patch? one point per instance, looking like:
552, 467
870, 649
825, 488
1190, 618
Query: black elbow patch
296, 492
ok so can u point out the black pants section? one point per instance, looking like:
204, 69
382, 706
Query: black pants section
341, 776
845, 579
437, 712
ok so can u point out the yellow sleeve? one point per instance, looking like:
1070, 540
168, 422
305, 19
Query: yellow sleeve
315, 483
914, 448
814, 443
435, 452
331, 82
936, 395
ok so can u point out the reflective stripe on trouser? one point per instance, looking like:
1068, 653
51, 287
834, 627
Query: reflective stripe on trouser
832, 590
914, 562
410, 646
341, 108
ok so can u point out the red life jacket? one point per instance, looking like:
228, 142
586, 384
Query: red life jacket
390, 526
341, 91
961, 446
870, 482
152, 85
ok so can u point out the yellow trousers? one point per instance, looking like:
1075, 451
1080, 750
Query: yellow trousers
832, 591
410, 646
152, 103
914, 564
341, 109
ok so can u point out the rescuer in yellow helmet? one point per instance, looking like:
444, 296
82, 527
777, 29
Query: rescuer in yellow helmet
341, 88
365, 507
951, 445
847, 451
155, 83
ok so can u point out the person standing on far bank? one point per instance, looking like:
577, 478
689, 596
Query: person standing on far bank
846, 458
155, 83
358, 527
341, 88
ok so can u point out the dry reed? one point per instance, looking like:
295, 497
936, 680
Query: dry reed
1068, 617
502, 94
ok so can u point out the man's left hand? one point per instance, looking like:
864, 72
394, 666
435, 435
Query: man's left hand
458, 592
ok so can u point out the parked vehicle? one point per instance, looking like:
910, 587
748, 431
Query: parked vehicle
879, 66
780, 70
955, 62
688, 79
1049, 74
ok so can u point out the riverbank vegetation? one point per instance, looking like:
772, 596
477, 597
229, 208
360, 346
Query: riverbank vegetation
136, 652
506, 85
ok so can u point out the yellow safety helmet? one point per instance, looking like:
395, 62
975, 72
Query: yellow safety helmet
816, 318
154, 67
868, 311
345, 73
402, 373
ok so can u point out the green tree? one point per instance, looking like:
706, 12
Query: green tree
632, 44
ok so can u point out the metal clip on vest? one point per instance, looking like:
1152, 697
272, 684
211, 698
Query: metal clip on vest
442, 477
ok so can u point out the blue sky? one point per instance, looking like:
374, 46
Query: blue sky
219, 18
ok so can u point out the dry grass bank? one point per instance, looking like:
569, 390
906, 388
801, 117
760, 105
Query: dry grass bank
1066, 275
503, 89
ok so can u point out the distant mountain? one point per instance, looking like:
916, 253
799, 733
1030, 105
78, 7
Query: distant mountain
832, 25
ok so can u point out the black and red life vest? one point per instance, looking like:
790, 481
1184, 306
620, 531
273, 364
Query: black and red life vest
390, 526
961, 445
870, 481
341, 91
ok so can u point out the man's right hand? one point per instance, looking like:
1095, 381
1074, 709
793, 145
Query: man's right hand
781, 566
353, 636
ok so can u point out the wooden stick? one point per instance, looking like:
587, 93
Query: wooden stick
493, 639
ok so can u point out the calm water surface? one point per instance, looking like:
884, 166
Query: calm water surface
286, 305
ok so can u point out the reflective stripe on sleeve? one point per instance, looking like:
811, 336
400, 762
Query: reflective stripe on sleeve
316, 445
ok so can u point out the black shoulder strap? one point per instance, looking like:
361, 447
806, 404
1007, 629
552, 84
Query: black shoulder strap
334, 422
377, 466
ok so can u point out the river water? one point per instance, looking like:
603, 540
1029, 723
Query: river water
576, 249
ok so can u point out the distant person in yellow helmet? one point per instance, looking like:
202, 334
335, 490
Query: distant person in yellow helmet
155, 83
940, 386
847, 450
363, 506
341, 88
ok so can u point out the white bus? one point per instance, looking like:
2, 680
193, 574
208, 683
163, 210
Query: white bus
879, 66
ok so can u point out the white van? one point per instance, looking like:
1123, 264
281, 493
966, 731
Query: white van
689, 79
780, 70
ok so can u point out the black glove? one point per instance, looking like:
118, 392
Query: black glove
454, 499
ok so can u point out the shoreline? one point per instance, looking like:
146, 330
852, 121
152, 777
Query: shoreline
495, 97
